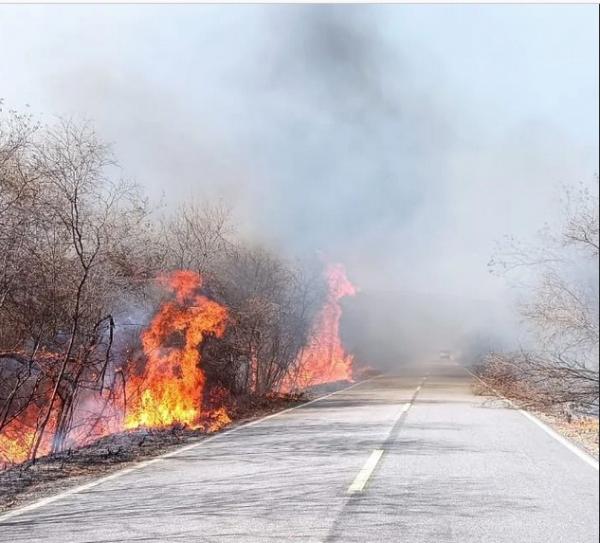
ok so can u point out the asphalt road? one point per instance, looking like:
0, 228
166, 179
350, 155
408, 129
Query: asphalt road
384, 461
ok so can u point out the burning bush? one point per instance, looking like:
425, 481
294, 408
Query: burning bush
63, 218
170, 388
323, 358
272, 306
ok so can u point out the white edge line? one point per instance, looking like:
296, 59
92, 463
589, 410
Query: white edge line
75, 490
550, 431
365, 473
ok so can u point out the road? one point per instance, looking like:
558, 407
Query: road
397, 458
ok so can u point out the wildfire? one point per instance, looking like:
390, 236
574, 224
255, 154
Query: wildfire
171, 389
16, 439
324, 360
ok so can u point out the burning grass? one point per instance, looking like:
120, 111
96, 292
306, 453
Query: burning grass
166, 390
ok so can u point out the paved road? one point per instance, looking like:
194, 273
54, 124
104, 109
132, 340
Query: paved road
447, 466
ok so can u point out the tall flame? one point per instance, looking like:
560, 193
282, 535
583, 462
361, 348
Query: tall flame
324, 360
172, 387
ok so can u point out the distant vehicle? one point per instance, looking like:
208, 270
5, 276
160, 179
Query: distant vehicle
447, 355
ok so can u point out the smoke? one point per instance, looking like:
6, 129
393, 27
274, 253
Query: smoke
402, 141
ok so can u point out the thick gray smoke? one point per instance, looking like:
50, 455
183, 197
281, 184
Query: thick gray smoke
403, 141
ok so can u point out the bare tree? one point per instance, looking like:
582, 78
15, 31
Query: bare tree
562, 306
272, 305
65, 280
194, 236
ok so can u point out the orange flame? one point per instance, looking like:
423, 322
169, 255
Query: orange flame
17, 437
325, 360
172, 388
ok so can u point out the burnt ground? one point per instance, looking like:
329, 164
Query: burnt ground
52, 474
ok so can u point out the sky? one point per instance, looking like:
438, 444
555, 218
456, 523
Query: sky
402, 140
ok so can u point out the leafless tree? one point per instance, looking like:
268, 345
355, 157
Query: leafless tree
562, 305
272, 304
62, 277
194, 236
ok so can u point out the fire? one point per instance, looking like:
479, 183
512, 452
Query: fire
15, 444
16, 439
324, 360
170, 390
18, 436
172, 387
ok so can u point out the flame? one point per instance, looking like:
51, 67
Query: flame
16, 441
171, 390
216, 415
324, 360
18, 436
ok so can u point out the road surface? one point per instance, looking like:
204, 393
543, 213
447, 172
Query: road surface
397, 458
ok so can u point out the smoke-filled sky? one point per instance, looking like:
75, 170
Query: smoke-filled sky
401, 140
